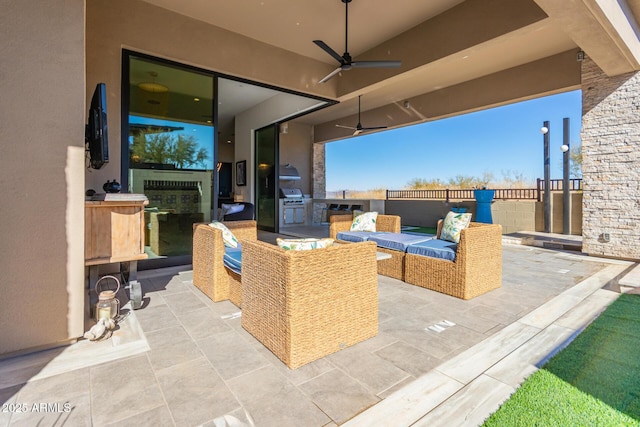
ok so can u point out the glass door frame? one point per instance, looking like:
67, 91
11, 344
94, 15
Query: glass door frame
275, 172
124, 129
125, 104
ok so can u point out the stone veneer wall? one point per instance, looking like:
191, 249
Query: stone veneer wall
610, 155
319, 180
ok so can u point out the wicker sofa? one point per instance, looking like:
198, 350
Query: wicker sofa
338, 223
477, 267
392, 267
209, 273
304, 305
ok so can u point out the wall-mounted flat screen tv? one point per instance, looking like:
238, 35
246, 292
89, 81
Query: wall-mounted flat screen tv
96, 135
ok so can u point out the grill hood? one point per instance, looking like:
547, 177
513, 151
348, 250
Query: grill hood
288, 173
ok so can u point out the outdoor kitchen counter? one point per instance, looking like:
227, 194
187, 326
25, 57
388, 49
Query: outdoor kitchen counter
368, 205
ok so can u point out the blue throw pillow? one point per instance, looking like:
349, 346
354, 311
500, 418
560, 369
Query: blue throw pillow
233, 259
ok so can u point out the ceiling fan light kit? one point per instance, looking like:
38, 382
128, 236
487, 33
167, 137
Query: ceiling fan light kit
152, 86
359, 128
346, 61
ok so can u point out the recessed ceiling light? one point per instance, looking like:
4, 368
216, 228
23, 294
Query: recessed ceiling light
196, 99
228, 141
153, 87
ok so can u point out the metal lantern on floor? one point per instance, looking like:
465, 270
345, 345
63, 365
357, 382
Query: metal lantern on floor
108, 306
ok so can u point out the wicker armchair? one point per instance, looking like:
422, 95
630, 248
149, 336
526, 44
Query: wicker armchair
209, 273
477, 267
304, 305
338, 223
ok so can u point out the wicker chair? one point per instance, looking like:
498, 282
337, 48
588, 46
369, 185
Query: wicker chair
304, 305
209, 273
392, 267
477, 267
338, 223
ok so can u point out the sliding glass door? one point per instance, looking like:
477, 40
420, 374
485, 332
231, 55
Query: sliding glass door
179, 126
266, 140
171, 154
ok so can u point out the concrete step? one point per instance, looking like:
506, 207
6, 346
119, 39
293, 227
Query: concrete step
544, 240
632, 278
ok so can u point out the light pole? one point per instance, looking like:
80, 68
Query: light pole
547, 178
566, 201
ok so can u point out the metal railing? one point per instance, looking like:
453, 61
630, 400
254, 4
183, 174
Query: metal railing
575, 184
500, 193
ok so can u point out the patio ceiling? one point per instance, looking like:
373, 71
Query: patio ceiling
441, 42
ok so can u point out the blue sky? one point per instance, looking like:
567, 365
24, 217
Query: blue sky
504, 139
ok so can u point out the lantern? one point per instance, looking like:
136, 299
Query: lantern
108, 306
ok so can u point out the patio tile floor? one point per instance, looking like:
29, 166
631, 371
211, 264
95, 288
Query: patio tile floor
191, 363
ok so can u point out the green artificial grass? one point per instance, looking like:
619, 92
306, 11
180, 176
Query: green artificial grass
595, 381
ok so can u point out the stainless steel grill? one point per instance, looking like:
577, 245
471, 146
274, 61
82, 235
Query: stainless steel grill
291, 196
288, 173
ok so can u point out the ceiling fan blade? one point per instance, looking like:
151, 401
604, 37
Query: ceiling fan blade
362, 130
376, 64
331, 74
330, 51
346, 127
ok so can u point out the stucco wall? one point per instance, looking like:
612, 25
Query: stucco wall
528, 215
610, 154
513, 215
296, 149
424, 213
41, 173
139, 26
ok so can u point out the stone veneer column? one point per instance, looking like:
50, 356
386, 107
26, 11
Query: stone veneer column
319, 179
610, 163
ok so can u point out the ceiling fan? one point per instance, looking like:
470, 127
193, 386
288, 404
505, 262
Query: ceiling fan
345, 61
359, 128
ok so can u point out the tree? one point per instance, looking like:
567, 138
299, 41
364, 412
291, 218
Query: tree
186, 154
459, 181
423, 184
464, 181
514, 179
165, 148
575, 161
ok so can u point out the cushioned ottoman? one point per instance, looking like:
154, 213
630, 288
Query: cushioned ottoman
435, 248
357, 236
395, 244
